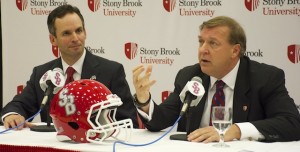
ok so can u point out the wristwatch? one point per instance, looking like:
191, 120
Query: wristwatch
139, 104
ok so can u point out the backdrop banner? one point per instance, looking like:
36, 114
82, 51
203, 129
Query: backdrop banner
163, 33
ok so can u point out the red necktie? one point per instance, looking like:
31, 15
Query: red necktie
219, 97
70, 72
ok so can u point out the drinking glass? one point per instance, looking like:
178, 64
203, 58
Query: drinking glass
221, 120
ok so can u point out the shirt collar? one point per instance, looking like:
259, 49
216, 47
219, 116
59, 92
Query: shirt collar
77, 65
229, 78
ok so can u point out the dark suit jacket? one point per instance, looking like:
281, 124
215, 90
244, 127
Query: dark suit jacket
109, 73
258, 86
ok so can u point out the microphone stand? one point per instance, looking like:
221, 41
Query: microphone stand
48, 127
188, 129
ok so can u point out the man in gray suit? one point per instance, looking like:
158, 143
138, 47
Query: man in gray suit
67, 31
262, 107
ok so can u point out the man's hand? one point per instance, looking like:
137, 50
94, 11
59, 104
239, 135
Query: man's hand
14, 120
209, 134
142, 84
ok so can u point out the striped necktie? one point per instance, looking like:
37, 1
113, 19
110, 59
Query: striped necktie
219, 96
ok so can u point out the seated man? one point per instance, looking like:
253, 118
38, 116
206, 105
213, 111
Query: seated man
262, 107
67, 31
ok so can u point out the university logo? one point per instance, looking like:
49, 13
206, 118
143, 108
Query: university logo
169, 5
165, 95
21, 4
94, 5
55, 51
293, 53
251, 5
130, 50
20, 88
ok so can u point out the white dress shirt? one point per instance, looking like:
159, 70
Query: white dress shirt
77, 66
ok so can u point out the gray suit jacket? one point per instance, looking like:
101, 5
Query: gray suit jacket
259, 87
108, 72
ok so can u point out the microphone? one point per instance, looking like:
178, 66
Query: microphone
51, 81
191, 94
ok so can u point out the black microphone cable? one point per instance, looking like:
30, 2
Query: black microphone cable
149, 143
22, 122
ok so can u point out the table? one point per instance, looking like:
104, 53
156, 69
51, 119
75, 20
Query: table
46, 141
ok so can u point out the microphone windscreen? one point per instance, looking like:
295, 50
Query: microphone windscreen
58, 79
43, 80
196, 88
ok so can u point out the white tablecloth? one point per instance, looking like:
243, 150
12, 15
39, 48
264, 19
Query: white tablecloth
26, 137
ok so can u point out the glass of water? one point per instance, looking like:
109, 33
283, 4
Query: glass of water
221, 120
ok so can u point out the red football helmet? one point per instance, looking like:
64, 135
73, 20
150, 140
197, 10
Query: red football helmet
84, 111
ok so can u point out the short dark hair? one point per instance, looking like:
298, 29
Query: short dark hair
237, 34
60, 12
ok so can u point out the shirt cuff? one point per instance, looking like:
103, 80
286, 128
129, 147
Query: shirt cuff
9, 113
146, 116
249, 131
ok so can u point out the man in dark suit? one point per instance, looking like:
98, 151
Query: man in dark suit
67, 31
262, 107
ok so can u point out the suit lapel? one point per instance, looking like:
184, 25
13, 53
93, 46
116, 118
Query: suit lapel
241, 103
88, 67
57, 64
